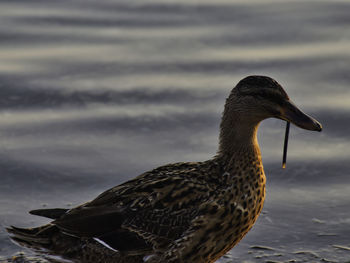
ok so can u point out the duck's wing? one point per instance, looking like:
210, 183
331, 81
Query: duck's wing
148, 212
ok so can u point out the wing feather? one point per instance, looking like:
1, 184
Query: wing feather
150, 211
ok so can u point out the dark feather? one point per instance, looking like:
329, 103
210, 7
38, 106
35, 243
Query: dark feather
53, 213
91, 221
31, 236
121, 240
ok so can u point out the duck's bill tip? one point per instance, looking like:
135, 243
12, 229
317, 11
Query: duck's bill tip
308, 123
319, 128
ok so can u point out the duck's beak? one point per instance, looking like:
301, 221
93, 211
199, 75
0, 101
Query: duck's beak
291, 113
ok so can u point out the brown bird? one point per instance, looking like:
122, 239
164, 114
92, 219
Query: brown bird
182, 212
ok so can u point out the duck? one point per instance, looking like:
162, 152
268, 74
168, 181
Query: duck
181, 212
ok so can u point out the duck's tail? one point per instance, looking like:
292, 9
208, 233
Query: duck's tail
38, 238
50, 242
47, 239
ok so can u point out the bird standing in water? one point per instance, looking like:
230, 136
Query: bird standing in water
182, 212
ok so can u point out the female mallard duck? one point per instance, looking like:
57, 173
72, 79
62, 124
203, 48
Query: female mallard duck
182, 212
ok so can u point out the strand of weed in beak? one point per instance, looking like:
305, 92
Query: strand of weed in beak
285, 145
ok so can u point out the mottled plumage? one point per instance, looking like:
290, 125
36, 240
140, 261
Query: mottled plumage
182, 212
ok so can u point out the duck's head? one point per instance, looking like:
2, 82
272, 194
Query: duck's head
261, 97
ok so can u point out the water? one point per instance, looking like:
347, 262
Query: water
93, 93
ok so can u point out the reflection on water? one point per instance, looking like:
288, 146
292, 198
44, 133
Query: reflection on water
95, 92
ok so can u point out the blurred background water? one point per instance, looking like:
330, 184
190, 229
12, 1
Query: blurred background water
95, 92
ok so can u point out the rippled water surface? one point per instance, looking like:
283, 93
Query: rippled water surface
93, 93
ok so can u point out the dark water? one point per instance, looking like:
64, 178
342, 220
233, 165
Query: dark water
93, 93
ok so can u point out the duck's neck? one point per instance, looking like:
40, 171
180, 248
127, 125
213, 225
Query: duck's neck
238, 135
